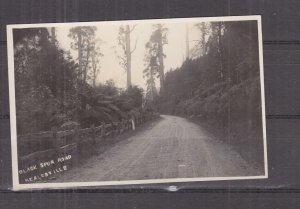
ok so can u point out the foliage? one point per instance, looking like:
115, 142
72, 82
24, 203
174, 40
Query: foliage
154, 67
85, 43
43, 75
124, 55
222, 84
220, 87
154, 60
106, 103
201, 47
50, 92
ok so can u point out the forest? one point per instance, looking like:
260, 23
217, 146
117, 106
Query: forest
217, 85
54, 89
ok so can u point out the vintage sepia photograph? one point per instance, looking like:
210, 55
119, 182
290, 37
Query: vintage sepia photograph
137, 102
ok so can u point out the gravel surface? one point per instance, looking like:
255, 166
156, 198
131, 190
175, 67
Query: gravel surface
171, 147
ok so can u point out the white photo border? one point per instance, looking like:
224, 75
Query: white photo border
10, 50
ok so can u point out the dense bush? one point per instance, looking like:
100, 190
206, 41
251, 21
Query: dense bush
50, 91
226, 77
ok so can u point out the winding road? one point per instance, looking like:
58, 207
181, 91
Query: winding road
171, 147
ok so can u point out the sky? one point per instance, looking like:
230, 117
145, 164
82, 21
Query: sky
175, 49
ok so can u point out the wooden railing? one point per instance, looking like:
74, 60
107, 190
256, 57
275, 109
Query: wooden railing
43, 155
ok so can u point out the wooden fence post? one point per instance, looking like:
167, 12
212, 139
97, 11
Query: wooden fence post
119, 124
77, 140
129, 125
102, 130
56, 142
133, 123
122, 126
125, 125
93, 140
115, 129
55, 139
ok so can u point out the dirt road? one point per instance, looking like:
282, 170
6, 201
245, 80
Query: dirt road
172, 147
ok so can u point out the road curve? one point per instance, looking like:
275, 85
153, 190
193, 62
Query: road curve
172, 147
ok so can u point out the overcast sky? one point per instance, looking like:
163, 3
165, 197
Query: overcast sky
175, 50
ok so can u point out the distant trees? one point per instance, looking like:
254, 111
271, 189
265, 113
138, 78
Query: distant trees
95, 60
150, 73
124, 40
187, 41
201, 47
154, 64
225, 62
52, 87
158, 38
217, 47
84, 43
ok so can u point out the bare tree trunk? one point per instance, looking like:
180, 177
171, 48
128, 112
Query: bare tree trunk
53, 35
94, 66
128, 56
85, 70
187, 53
203, 32
80, 54
220, 49
94, 79
54, 79
161, 60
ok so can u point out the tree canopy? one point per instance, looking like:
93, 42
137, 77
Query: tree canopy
53, 88
221, 82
